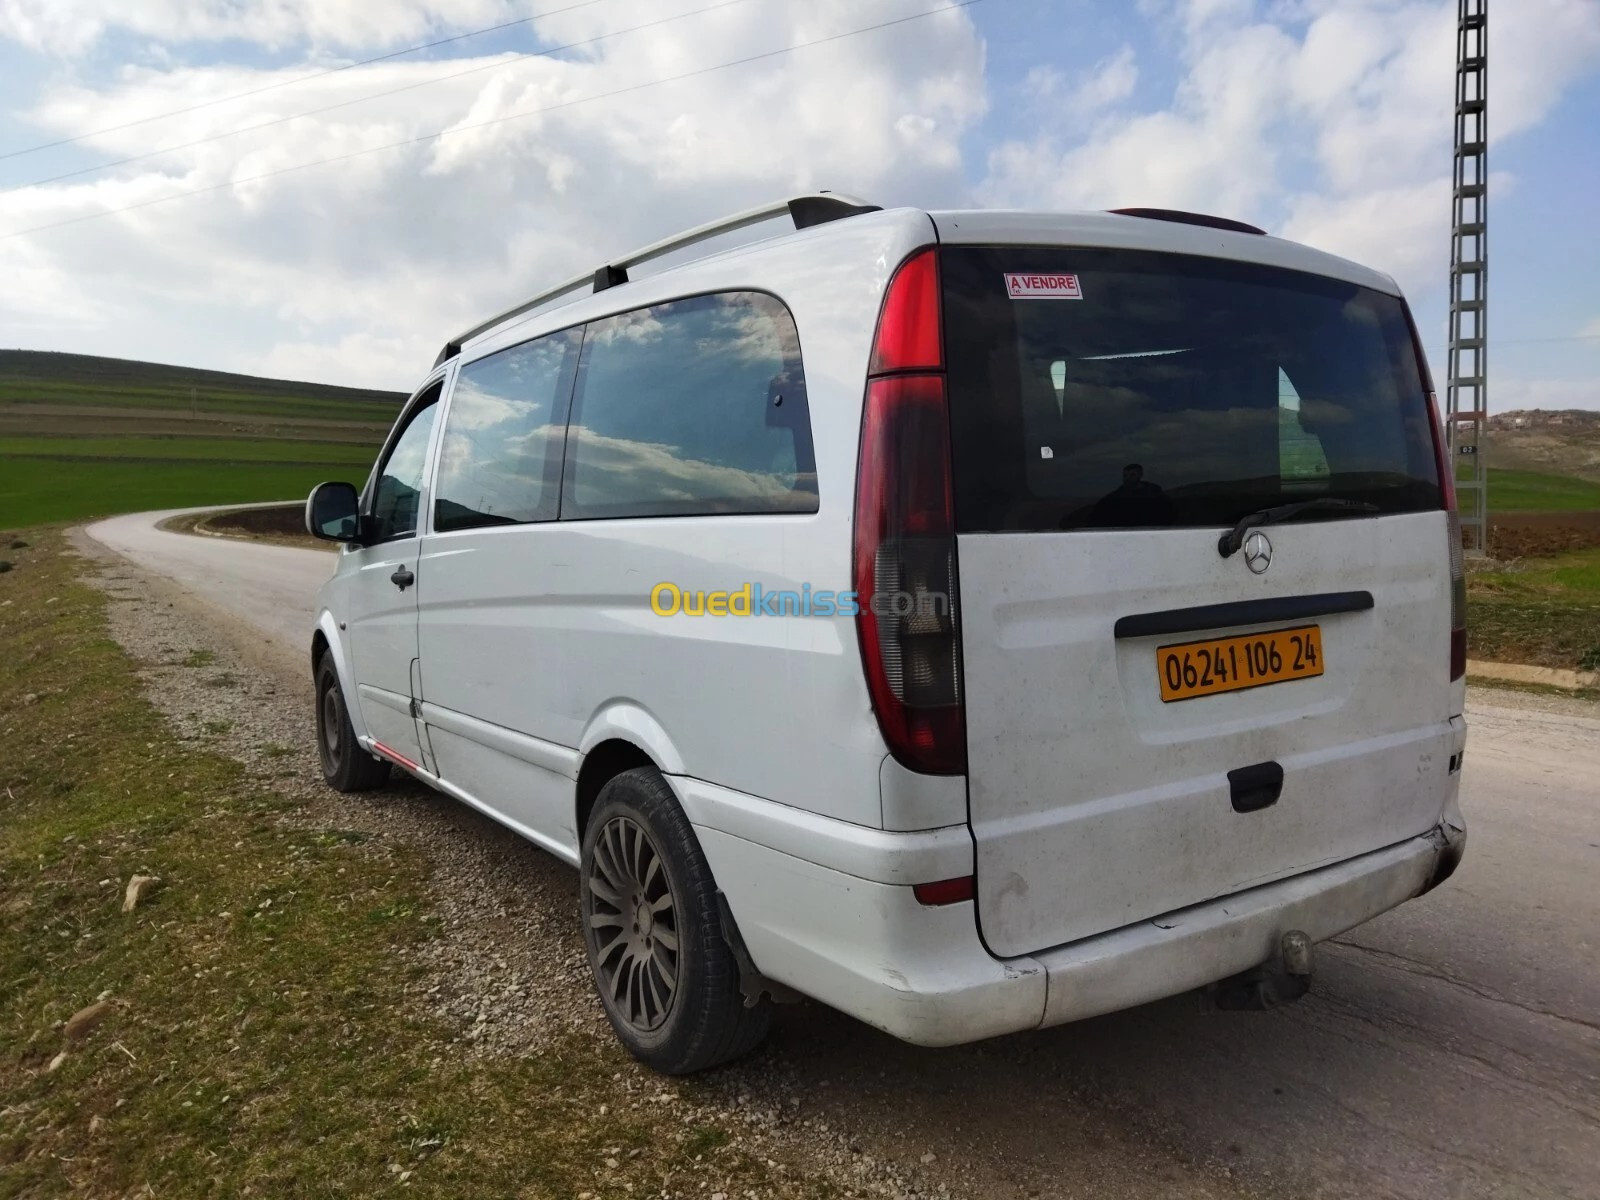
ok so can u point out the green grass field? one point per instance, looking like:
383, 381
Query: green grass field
36, 492
263, 1031
181, 449
1546, 612
1535, 491
83, 437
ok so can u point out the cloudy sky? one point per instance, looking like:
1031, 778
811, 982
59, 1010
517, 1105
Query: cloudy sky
184, 217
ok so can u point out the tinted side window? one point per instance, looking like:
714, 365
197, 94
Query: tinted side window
689, 408
399, 486
500, 455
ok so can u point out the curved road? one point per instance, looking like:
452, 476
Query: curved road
272, 588
1449, 1048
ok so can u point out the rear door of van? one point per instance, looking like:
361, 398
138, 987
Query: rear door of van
1151, 723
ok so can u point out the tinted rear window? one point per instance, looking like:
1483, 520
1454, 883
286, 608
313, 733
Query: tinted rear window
1178, 391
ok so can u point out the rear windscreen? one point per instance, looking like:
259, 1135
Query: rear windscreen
1122, 389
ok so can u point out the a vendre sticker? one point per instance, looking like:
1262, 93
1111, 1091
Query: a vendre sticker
1043, 287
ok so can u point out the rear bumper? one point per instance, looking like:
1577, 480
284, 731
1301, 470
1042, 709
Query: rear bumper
847, 930
1199, 945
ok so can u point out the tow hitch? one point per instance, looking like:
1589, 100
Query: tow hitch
1278, 981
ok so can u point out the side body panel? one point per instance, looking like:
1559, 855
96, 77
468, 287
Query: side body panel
544, 631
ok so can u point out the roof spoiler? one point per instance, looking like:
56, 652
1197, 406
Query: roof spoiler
1188, 218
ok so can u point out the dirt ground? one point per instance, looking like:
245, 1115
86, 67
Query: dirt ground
1539, 535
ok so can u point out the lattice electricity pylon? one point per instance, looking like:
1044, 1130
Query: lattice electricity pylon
1467, 407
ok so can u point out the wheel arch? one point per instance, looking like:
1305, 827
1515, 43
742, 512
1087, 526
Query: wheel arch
602, 764
327, 639
620, 736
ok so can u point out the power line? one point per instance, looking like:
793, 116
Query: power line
1573, 337
439, 135
283, 83
408, 87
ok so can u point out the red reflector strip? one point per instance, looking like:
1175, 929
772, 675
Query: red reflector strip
395, 755
946, 891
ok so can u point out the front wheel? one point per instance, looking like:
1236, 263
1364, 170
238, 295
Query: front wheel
667, 980
346, 767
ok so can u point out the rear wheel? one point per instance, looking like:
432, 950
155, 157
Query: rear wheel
667, 980
346, 767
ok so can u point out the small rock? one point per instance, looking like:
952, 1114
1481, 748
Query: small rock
82, 1023
137, 887
19, 544
4, 566
928, 1158
57, 1061
31, 698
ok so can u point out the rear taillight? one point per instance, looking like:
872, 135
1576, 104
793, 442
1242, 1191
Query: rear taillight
1458, 576
904, 552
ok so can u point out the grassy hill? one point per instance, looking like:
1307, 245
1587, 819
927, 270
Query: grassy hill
41, 376
1550, 442
82, 436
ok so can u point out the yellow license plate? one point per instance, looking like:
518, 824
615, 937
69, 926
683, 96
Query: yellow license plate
1232, 664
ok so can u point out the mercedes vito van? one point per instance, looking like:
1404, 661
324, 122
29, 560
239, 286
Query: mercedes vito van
973, 621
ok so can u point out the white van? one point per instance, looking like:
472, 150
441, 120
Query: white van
973, 621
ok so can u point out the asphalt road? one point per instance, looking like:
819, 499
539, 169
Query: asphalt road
270, 587
1449, 1048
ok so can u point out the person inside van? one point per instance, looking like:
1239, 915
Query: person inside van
1136, 501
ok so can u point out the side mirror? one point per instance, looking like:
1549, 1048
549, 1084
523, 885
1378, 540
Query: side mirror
333, 512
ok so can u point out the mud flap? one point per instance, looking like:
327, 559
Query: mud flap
752, 983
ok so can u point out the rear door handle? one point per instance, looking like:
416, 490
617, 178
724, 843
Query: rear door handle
402, 578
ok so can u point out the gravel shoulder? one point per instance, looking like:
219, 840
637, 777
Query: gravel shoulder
507, 971
1367, 1088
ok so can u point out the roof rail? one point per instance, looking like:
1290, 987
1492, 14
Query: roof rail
816, 208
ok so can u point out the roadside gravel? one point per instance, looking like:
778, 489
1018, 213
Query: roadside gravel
1545, 700
507, 971
1370, 1086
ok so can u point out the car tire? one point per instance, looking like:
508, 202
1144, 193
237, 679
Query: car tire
346, 767
653, 929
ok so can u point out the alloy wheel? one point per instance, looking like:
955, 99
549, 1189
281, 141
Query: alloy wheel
633, 924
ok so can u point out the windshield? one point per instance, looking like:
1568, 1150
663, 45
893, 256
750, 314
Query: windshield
1129, 389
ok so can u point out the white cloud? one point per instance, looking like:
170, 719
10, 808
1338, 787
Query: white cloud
71, 26
1109, 82
1338, 134
1513, 393
1327, 120
356, 272
1591, 329
1209, 150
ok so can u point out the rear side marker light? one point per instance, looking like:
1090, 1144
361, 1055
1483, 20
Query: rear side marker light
945, 891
